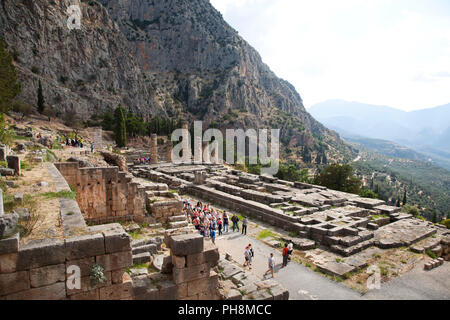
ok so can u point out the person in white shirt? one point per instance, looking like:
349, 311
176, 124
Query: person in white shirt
291, 248
271, 263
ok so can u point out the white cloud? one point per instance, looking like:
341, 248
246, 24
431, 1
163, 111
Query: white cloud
374, 51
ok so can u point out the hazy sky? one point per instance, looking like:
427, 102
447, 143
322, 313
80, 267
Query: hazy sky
386, 52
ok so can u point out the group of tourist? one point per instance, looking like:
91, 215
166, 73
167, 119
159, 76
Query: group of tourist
142, 160
207, 220
75, 142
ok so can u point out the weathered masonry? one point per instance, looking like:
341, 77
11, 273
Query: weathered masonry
105, 194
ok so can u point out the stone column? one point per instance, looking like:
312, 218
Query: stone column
2, 212
206, 155
215, 153
198, 150
186, 143
14, 163
169, 148
154, 149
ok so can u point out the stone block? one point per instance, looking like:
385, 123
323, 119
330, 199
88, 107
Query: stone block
115, 261
85, 246
163, 263
48, 275
116, 241
14, 163
14, 282
167, 290
121, 291
210, 255
41, 253
56, 291
177, 262
193, 273
203, 285
144, 289
141, 258
151, 248
186, 244
87, 285
88, 295
233, 294
118, 276
85, 265
8, 262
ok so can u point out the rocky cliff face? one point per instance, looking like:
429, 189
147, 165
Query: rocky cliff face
176, 58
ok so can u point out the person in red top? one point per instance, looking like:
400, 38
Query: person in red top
285, 255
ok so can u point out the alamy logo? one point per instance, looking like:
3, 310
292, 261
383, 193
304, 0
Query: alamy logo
73, 277
74, 20
374, 281
208, 147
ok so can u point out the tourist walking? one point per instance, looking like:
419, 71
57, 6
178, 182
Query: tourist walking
213, 236
291, 249
244, 226
225, 222
235, 221
247, 256
92, 148
271, 263
285, 255
251, 253
219, 226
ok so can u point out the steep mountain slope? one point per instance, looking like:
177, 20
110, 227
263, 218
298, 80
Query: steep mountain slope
82, 71
174, 58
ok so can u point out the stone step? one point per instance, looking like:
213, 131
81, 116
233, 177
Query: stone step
143, 257
151, 248
178, 224
348, 251
177, 218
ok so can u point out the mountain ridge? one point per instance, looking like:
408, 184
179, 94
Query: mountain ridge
176, 59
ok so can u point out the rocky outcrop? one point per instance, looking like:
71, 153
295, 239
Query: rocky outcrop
174, 58
115, 160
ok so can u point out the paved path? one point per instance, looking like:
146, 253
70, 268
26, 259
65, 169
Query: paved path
302, 282
305, 284
417, 284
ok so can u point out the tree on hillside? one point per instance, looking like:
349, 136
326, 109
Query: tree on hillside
404, 198
22, 107
108, 121
120, 127
366, 193
9, 86
411, 210
339, 177
40, 102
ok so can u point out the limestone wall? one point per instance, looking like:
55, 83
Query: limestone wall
105, 194
41, 268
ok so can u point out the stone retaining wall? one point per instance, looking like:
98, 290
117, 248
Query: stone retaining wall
105, 194
42, 270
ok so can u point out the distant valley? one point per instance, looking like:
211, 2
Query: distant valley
426, 132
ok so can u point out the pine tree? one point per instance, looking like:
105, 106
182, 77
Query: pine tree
40, 102
120, 127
